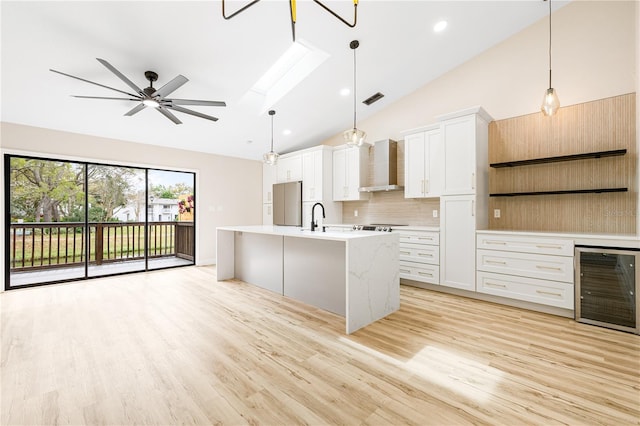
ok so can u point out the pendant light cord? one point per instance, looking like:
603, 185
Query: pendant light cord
354, 87
549, 43
272, 129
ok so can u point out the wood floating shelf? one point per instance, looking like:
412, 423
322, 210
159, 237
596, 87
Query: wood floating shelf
572, 157
569, 191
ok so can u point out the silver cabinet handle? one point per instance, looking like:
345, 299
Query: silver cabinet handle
426, 238
473, 208
473, 181
495, 285
551, 268
549, 246
425, 274
425, 254
422, 186
549, 293
496, 262
502, 243
405, 252
405, 271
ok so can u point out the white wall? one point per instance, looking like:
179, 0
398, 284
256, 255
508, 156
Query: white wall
593, 56
228, 190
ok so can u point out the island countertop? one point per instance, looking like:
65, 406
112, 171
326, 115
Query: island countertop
293, 231
354, 274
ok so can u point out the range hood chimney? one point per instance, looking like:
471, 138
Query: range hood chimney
385, 167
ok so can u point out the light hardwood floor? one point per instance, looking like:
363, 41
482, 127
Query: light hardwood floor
175, 347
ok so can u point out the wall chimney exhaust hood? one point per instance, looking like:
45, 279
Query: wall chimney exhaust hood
385, 167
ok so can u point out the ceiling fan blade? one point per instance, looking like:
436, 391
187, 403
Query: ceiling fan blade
191, 112
103, 97
93, 82
120, 75
170, 86
136, 109
168, 114
196, 102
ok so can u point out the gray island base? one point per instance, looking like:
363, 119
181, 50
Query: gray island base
353, 274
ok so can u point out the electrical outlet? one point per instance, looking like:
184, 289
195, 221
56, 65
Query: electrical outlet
355, 213
496, 213
435, 213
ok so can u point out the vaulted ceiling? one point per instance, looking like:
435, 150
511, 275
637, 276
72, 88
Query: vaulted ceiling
223, 59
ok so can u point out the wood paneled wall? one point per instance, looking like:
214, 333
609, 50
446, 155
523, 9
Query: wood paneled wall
391, 207
605, 124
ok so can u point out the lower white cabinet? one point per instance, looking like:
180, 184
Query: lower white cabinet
419, 255
458, 222
534, 269
544, 292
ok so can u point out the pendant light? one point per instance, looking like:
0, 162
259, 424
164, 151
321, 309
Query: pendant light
550, 101
355, 136
271, 157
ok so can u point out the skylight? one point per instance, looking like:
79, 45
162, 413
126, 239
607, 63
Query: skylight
295, 64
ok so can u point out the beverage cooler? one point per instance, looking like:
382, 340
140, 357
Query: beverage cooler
607, 287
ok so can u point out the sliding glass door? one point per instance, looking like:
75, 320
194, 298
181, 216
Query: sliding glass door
171, 213
69, 220
46, 236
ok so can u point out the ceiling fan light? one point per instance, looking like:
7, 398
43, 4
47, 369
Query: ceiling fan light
270, 158
152, 103
354, 137
550, 102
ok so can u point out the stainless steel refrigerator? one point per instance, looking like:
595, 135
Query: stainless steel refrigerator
287, 203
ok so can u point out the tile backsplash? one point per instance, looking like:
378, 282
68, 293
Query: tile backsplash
392, 208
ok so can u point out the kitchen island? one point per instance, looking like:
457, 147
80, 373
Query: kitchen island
353, 274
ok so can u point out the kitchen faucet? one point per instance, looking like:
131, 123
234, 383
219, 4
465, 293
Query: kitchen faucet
314, 223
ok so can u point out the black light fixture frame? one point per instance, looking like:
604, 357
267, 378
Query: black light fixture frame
292, 12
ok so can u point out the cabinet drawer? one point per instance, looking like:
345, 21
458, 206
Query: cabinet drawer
420, 272
556, 268
549, 293
558, 247
420, 253
419, 237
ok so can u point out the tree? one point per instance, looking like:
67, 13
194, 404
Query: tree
109, 188
45, 190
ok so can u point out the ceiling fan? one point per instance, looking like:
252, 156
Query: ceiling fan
150, 96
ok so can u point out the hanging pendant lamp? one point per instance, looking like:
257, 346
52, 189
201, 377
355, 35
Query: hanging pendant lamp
550, 101
271, 157
355, 136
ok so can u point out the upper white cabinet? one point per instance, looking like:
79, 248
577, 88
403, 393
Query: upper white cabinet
268, 179
465, 137
289, 168
314, 169
350, 167
423, 165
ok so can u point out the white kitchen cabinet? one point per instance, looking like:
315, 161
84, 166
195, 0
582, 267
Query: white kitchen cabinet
268, 179
312, 175
350, 167
458, 222
289, 168
423, 165
267, 214
538, 269
464, 201
419, 256
465, 137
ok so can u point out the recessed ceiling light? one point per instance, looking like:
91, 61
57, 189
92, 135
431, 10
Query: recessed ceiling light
249, 141
286, 132
345, 92
441, 25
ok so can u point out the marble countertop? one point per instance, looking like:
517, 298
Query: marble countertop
348, 226
603, 240
294, 231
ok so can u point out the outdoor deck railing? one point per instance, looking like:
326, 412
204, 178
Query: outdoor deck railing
38, 245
